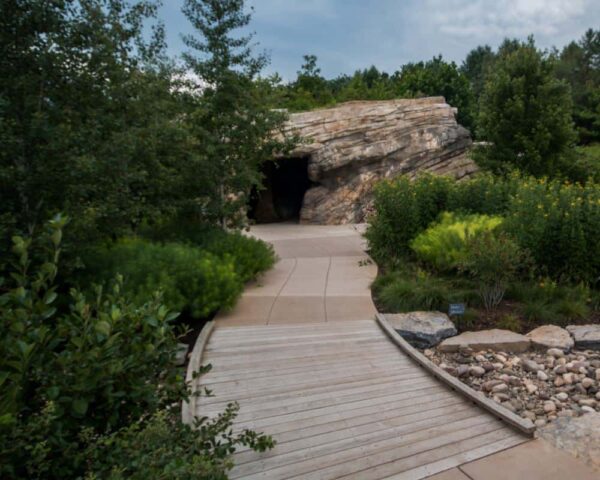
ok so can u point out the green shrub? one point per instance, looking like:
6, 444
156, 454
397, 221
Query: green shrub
191, 279
557, 222
403, 209
444, 244
97, 364
510, 322
163, 447
404, 291
250, 256
549, 302
493, 260
92, 386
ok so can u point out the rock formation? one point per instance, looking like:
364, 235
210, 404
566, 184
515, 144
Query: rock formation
351, 146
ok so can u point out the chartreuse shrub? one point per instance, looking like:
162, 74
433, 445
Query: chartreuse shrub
89, 387
191, 279
444, 245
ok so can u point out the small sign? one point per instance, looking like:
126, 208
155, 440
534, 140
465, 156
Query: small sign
456, 309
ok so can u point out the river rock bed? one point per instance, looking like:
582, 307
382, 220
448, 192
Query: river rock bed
539, 385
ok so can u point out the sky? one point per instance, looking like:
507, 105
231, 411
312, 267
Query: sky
347, 35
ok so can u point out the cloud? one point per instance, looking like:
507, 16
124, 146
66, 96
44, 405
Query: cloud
485, 18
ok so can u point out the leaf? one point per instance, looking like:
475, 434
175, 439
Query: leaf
79, 407
103, 327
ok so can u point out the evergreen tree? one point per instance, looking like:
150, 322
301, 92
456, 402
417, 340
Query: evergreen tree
231, 121
525, 114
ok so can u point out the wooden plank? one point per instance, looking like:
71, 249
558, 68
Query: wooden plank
403, 413
522, 424
291, 345
413, 458
189, 408
298, 401
404, 421
272, 397
316, 365
338, 441
363, 457
308, 421
248, 414
241, 395
333, 326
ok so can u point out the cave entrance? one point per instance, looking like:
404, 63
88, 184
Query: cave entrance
285, 181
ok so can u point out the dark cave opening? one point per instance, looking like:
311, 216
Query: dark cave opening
285, 181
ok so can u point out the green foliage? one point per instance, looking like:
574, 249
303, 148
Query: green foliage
191, 279
579, 65
445, 244
404, 290
437, 77
550, 302
230, 120
525, 115
510, 322
557, 222
250, 256
494, 260
94, 364
476, 67
163, 447
404, 209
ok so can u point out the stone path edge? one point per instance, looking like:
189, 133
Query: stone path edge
525, 426
188, 408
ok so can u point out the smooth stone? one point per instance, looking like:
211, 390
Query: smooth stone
477, 371
555, 352
562, 396
500, 388
587, 409
542, 376
422, 329
585, 336
551, 336
495, 339
549, 407
531, 366
587, 383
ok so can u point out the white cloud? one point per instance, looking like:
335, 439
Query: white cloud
485, 18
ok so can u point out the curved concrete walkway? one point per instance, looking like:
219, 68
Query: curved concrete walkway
322, 275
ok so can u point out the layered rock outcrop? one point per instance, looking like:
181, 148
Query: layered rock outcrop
351, 146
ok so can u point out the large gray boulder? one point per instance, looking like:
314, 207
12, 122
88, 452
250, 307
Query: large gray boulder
351, 146
422, 329
585, 336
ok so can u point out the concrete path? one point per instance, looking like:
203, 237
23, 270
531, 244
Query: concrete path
322, 275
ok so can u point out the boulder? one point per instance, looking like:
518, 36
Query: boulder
585, 336
422, 329
351, 146
580, 436
495, 339
551, 336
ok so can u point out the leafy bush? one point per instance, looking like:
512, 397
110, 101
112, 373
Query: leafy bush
98, 365
445, 243
403, 209
557, 222
190, 279
163, 447
93, 386
494, 261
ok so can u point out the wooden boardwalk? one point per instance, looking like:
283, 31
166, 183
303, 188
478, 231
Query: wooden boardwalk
342, 401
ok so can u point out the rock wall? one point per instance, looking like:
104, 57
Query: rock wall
351, 146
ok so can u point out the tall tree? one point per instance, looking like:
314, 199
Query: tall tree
437, 77
579, 64
233, 125
475, 67
85, 110
525, 114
